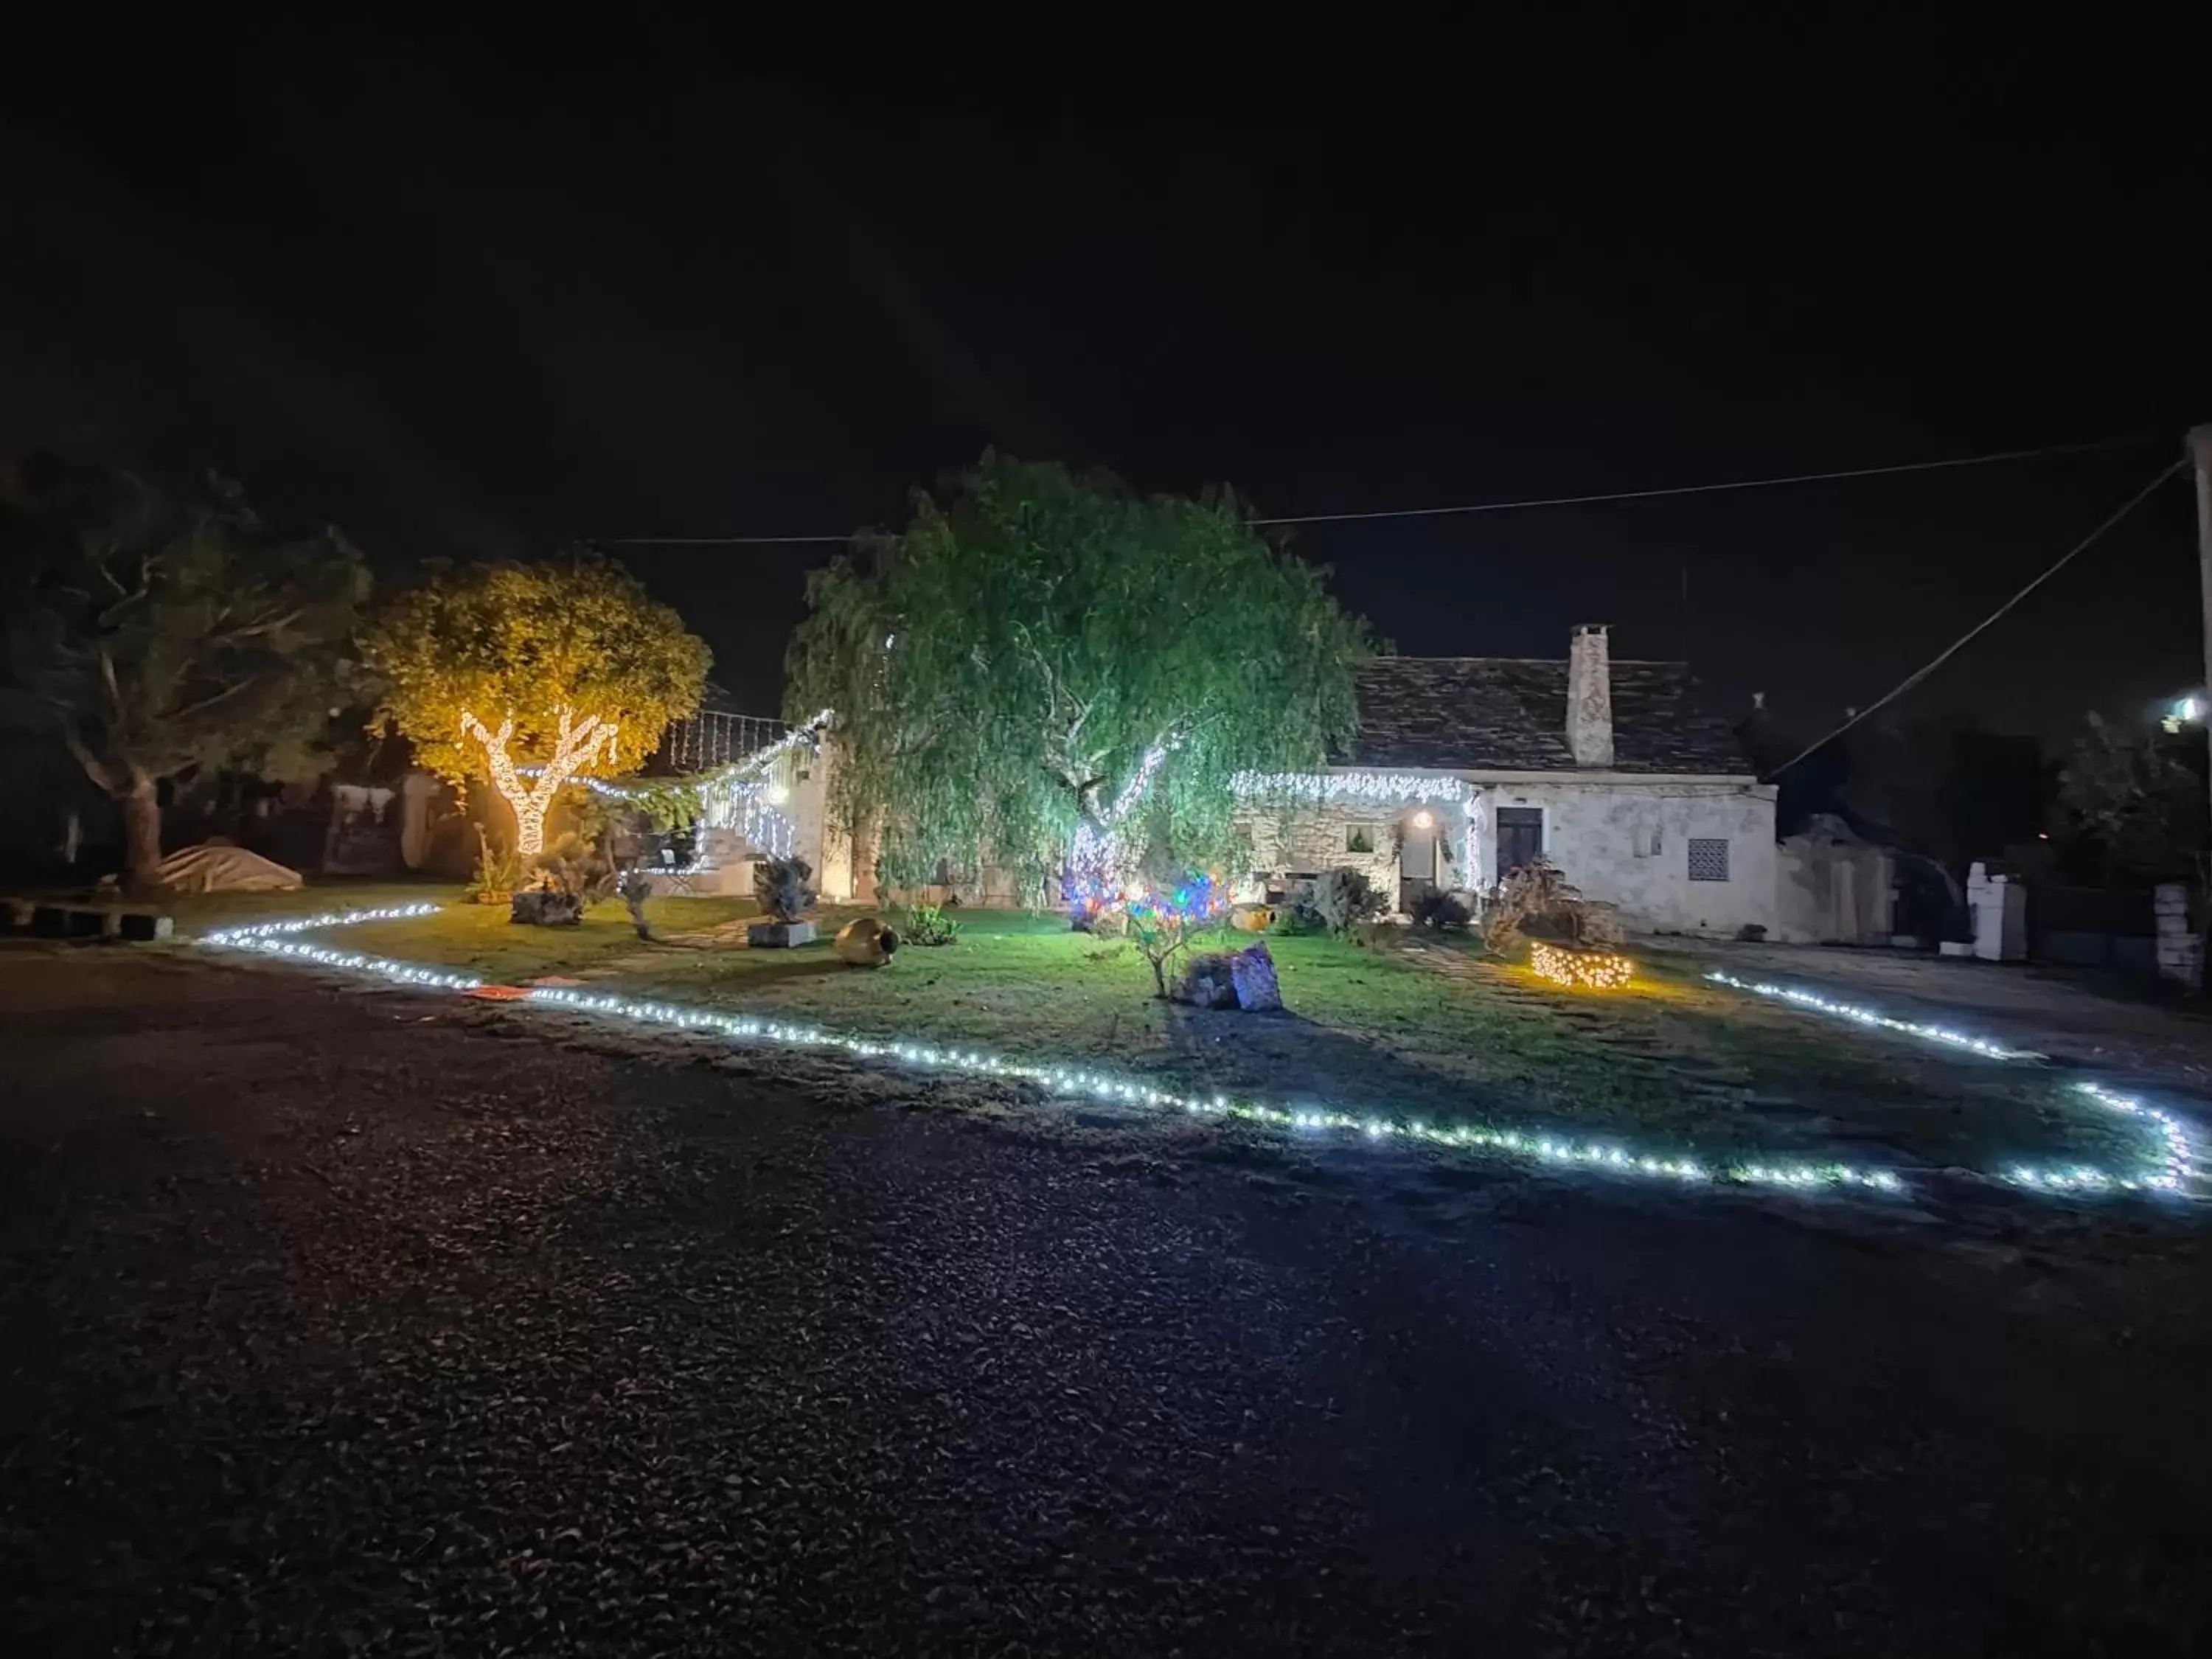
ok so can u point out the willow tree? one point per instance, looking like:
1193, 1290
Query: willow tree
1050, 662
532, 675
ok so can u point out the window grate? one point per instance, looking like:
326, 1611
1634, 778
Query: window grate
1708, 860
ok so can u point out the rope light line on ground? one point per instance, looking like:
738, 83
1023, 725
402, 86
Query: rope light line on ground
1862, 1016
1522, 505
2173, 1164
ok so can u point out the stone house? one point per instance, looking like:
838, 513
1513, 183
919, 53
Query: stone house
1464, 767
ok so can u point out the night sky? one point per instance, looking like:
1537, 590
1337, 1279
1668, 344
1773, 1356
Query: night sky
465, 306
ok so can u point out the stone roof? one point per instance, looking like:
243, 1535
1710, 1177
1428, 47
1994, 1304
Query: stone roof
1510, 715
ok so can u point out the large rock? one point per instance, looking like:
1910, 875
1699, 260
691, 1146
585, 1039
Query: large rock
1233, 979
546, 906
1253, 972
1208, 983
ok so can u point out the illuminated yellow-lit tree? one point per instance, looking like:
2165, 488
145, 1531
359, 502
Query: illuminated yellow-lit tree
533, 676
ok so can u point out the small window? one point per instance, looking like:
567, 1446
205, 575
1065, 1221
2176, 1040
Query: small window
1520, 837
1708, 860
1360, 838
1646, 842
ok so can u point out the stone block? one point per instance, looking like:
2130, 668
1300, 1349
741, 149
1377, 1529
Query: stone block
1208, 982
545, 907
778, 935
1253, 972
143, 926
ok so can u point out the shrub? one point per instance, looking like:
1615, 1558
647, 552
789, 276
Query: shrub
1297, 915
1344, 898
1441, 910
497, 871
1164, 923
573, 866
779, 886
929, 923
1536, 900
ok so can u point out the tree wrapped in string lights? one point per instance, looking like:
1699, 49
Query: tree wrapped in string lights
1162, 921
533, 677
1057, 674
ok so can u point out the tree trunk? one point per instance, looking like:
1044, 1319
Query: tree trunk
529, 822
142, 833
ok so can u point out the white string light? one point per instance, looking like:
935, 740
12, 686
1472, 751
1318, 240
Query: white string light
2175, 1166
1859, 1016
275, 939
2178, 1165
1073, 1080
1320, 787
738, 796
240, 935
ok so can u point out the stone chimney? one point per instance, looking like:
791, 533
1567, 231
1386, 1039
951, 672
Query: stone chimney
1589, 696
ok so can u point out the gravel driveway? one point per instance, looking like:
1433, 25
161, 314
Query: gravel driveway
344, 1322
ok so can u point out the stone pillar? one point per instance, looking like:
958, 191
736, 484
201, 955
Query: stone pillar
2180, 951
1589, 696
415, 792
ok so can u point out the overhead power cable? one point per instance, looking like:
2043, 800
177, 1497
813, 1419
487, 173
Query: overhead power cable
1700, 489
1517, 506
1959, 644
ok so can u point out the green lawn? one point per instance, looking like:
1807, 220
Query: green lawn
1435, 1032
1415, 1027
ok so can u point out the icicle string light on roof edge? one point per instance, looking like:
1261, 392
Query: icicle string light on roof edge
1322, 787
2175, 1165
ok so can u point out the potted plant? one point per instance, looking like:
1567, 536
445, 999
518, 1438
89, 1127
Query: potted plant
779, 886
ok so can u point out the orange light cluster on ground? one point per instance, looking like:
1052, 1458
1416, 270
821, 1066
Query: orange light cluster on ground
1582, 970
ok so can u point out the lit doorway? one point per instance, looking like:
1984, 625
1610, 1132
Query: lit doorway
1417, 858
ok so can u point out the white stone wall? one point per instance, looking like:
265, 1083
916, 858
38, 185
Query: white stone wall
805, 777
1833, 892
1314, 839
1594, 829
1317, 838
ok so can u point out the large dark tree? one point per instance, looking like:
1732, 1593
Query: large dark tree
162, 639
2136, 796
1047, 653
